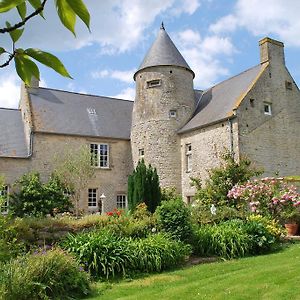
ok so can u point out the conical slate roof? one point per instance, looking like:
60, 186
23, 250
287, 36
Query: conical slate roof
163, 52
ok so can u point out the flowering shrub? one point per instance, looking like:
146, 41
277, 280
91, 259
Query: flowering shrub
115, 213
269, 196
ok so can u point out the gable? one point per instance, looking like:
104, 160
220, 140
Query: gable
217, 103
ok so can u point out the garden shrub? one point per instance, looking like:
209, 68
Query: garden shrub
222, 179
227, 240
43, 275
238, 238
106, 254
35, 198
174, 217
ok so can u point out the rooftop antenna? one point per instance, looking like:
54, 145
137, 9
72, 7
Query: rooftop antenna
162, 26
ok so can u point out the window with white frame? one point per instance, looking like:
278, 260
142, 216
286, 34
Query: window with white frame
173, 113
92, 198
141, 153
4, 199
267, 109
121, 201
188, 155
99, 155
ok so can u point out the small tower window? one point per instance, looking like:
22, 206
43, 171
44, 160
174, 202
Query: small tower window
141, 153
173, 113
288, 85
153, 83
267, 109
251, 102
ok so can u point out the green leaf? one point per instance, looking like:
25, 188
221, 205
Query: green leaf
48, 60
2, 50
26, 68
36, 4
81, 11
6, 5
15, 34
66, 14
22, 10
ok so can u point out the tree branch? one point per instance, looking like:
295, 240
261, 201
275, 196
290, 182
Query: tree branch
11, 56
22, 23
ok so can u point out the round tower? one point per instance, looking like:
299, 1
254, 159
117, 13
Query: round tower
164, 102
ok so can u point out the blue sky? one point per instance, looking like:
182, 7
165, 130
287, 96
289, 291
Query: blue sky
218, 39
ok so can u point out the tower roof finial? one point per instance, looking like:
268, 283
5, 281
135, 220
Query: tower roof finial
162, 26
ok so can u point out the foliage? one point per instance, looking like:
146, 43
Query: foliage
268, 196
201, 214
169, 194
26, 68
238, 238
35, 198
106, 254
222, 179
263, 232
174, 217
143, 186
227, 240
73, 168
43, 275
9, 243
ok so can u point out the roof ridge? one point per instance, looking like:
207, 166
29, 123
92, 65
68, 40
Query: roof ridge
82, 94
204, 91
8, 108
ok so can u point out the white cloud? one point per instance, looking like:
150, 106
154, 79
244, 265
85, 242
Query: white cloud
203, 55
127, 94
9, 91
264, 17
116, 25
124, 76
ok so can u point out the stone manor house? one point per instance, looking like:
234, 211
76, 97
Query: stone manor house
179, 130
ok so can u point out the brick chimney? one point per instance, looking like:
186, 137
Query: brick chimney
271, 51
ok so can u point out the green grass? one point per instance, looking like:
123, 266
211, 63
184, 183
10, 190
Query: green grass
274, 276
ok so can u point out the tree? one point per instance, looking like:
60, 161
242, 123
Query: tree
26, 68
74, 170
143, 186
222, 179
35, 198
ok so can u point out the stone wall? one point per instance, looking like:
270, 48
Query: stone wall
208, 144
153, 129
272, 141
46, 147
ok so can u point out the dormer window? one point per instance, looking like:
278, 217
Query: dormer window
153, 83
267, 109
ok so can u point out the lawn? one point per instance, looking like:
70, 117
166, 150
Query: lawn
274, 276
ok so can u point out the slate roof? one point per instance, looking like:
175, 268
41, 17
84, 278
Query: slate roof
163, 52
62, 112
217, 102
12, 136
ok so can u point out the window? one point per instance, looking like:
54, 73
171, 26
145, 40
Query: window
267, 109
4, 197
121, 201
100, 155
153, 83
141, 153
189, 200
188, 154
288, 85
173, 113
92, 198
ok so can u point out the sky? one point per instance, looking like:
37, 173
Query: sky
218, 39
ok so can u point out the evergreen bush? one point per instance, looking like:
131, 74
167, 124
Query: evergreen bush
143, 187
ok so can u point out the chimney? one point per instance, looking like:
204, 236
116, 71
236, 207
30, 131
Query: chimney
271, 51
